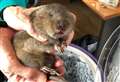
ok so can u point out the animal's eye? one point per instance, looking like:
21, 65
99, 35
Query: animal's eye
50, 14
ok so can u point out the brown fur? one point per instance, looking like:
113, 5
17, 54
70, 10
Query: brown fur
53, 21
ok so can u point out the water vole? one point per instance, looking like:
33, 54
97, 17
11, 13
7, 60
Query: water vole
52, 21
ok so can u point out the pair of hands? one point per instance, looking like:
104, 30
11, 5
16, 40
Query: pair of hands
18, 19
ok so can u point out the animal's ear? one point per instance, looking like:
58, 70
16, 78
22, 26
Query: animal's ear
74, 16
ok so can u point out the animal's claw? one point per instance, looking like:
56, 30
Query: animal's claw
49, 71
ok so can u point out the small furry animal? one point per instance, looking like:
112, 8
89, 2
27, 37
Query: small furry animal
52, 21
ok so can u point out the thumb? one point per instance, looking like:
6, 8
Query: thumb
30, 30
28, 11
34, 34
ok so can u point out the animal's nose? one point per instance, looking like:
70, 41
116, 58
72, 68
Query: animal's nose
61, 26
59, 32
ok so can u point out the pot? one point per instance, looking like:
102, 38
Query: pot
80, 65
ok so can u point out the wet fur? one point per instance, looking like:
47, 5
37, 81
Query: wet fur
46, 20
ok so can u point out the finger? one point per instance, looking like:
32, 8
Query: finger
70, 37
14, 78
59, 65
31, 31
6, 33
60, 70
22, 80
58, 62
18, 77
16, 14
21, 15
29, 28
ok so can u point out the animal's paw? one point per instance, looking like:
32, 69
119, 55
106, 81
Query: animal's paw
57, 79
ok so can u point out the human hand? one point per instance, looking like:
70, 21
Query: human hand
17, 78
18, 18
12, 68
69, 38
10, 65
66, 42
58, 65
